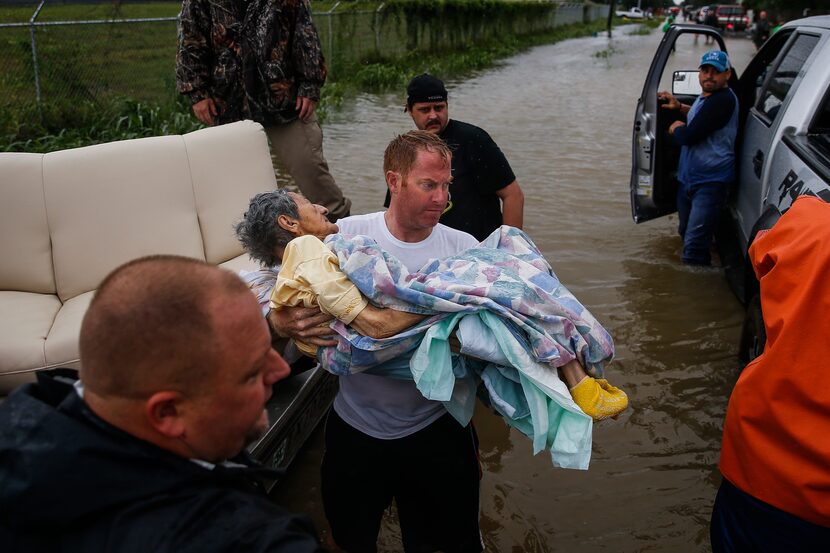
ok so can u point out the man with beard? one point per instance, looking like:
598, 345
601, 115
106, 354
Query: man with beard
484, 192
707, 155
145, 451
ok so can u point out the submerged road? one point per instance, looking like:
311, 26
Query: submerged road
563, 115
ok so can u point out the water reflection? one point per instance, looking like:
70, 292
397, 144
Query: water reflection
563, 115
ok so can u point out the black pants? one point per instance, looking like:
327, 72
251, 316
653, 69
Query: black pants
741, 523
433, 475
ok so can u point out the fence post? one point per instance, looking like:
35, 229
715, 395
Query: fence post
34, 56
377, 27
330, 13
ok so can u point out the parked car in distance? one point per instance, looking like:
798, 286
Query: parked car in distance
633, 13
732, 18
783, 146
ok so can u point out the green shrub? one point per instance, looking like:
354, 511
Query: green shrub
88, 123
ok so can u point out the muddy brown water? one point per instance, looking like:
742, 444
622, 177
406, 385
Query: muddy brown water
563, 116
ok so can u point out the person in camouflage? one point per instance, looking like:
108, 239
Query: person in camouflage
261, 60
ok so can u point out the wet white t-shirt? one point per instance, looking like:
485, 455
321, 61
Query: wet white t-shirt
384, 407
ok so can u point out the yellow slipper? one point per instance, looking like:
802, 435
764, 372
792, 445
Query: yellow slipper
598, 398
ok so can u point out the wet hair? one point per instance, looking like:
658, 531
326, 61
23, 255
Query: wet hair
151, 326
402, 151
258, 230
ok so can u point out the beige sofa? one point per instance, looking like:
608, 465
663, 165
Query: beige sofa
68, 218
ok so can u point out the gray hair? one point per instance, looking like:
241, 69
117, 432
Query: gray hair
258, 230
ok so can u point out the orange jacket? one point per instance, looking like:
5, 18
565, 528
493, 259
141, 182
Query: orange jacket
776, 438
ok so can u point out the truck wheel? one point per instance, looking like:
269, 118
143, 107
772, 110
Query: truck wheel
753, 334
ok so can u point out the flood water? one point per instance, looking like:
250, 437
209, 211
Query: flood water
563, 115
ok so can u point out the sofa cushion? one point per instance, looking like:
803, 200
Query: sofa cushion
25, 321
62, 343
241, 262
111, 203
229, 164
24, 248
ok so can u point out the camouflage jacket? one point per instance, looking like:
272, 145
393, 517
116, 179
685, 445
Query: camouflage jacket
253, 57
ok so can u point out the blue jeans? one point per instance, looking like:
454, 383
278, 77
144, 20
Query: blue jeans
742, 523
698, 206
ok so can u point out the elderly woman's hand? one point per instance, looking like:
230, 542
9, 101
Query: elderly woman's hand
303, 323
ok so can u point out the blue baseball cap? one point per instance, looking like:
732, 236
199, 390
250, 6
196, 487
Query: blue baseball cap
717, 59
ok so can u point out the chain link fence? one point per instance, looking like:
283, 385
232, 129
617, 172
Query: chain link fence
70, 53
349, 37
66, 53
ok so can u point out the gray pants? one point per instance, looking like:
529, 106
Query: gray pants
298, 147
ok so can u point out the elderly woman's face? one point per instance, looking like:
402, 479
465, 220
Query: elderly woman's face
312, 218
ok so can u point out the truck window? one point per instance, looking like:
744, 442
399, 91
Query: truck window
822, 122
778, 85
819, 133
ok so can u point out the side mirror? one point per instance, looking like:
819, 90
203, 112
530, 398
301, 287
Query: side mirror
685, 83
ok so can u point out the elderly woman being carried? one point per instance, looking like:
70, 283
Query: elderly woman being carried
380, 307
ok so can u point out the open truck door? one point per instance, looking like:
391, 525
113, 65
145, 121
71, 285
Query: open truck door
654, 154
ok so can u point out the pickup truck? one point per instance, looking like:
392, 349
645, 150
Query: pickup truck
783, 145
633, 13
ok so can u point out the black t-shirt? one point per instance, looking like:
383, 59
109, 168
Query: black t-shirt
479, 169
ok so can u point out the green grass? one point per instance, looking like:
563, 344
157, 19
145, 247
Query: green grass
96, 90
76, 12
641, 30
653, 23
91, 123
605, 54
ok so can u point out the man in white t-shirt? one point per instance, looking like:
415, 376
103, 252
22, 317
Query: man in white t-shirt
384, 440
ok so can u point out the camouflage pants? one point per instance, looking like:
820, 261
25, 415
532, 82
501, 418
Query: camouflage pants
298, 148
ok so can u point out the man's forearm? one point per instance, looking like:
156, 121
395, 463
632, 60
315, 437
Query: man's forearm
513, 212
302, 323
512, 205
383, 323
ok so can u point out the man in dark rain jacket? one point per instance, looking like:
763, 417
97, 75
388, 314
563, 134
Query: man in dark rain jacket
261, 60
144, 452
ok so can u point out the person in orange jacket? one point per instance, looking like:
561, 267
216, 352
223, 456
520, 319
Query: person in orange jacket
775, 458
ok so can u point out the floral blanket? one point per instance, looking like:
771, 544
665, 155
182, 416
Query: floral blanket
535, 322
